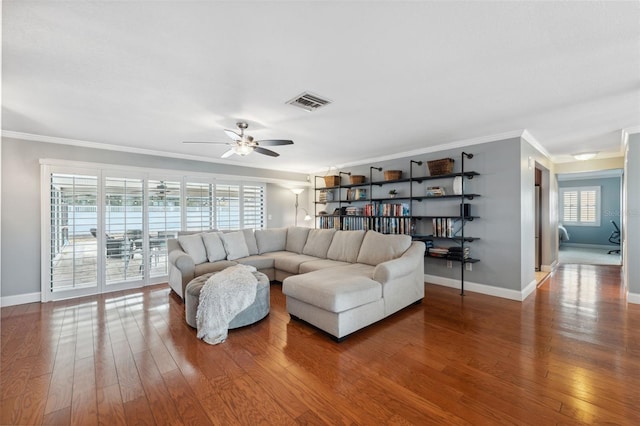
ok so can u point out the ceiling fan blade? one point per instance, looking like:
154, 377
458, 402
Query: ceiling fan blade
233, 135
228, 154
265, 151
207, 142
274, 142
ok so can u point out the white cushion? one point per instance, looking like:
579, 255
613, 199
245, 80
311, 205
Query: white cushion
250, 239
345, 246
296, 238
269, 240
235, 245
377, 248
318, 242
214, 246
194, 247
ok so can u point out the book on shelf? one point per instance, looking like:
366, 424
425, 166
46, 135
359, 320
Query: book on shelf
356, 194
446, 227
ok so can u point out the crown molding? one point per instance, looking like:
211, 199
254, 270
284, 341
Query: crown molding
436, 148
119, 148
527, 136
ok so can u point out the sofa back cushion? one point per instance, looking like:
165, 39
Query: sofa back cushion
345, 246
296, 238
377, 248
214, 246
194, 247
235, 245
318, 242
269, 240
250, 239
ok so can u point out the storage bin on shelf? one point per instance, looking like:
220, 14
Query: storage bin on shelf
443, 166
332, 180
356, 179
392, 174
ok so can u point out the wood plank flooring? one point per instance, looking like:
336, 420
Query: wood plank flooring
569, 354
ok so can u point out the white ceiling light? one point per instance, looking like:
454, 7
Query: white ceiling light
585, 156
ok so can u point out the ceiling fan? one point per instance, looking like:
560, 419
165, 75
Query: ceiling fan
244, 144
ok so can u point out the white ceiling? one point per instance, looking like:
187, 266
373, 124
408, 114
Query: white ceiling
407, 76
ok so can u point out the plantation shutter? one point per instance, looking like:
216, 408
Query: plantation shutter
253, 206
570, 202
588, 206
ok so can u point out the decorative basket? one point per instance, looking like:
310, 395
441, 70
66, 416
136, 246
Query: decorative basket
392, 174
444, 166
355, 179
330, 181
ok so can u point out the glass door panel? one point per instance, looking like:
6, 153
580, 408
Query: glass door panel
124, 238
74, 220
164, 212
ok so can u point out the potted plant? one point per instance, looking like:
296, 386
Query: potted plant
393, 193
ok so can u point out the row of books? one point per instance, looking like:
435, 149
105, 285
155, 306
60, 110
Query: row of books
380, 224
445, 227
386, 209
449, 253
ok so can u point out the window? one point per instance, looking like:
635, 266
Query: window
580, 206
106, 229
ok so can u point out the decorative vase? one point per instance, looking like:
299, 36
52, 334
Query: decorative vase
457, 185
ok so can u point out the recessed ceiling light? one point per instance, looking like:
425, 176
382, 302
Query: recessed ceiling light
585, 156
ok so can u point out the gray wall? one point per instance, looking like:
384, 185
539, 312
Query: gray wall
610, 210
631, 225
21, 199
499, 209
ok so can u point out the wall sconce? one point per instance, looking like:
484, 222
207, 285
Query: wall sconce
298, 191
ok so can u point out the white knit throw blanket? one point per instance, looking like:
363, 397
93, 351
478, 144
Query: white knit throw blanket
222, 297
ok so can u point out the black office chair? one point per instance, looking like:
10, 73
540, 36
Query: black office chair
614, 238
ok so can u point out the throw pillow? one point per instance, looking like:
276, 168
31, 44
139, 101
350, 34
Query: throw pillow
215, 247
194, 247
345, 246
377, 248
235, 245
318, 242
271, 239
296, 238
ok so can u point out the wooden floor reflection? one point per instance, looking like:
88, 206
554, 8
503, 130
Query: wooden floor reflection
569, 354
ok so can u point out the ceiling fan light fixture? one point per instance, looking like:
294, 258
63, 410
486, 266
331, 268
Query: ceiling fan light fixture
242, 149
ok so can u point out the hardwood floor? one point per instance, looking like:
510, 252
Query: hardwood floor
569, 354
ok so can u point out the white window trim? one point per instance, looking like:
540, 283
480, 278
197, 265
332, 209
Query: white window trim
579, 189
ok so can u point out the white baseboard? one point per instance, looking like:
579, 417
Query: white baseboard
483, 288
633, 298
20, 299
592, 246
549, 268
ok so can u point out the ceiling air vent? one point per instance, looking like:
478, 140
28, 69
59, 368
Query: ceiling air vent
308, 101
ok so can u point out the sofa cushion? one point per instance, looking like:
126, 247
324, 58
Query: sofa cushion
214, 246
194, 247
318, 242
235, 245
332, 289
345, 246
250, 239
318, 264
292, 263
377, 248
296, 239
207, 267
259, 262
271, 239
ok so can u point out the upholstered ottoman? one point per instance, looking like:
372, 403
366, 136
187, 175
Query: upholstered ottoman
255, 312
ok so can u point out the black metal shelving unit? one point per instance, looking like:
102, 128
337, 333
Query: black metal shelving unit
338, 220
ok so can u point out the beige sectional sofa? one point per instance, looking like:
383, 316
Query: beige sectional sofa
338, 281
